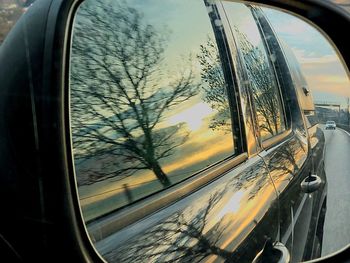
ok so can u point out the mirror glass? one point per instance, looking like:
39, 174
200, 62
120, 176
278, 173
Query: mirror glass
203, 129
329, 85
149, 106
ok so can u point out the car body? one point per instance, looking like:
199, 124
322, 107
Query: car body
330, 125
239, 208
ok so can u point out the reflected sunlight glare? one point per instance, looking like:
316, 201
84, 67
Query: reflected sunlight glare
192, 116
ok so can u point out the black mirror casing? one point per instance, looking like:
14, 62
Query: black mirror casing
41, 220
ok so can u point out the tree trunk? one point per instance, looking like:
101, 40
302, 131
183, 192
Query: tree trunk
162, 177
275, 120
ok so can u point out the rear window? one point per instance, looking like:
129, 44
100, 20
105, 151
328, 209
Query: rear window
264, 88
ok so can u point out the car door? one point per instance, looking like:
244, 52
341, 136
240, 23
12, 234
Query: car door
317, 151
216, 203
293, 159
279, 126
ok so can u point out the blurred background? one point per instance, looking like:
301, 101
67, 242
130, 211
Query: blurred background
11, 10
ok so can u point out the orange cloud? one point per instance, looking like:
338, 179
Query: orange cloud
328, 84
326, 74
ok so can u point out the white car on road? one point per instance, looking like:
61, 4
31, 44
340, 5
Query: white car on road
330, 125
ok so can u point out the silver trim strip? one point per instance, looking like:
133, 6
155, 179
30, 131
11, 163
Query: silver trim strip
295, 217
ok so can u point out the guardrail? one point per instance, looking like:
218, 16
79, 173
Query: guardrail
344, 126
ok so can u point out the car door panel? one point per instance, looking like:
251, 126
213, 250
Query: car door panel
289, 165
230, 219
292, 161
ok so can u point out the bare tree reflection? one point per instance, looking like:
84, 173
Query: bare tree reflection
118, 96
264, 92
215, 86
177, 239
286, 159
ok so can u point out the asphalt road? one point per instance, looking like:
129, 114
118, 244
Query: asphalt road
337, 166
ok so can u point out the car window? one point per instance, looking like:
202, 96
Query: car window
264, 88
149, 106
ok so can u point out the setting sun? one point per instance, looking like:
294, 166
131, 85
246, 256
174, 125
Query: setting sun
192, 116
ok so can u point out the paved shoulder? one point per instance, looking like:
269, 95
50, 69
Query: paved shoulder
337, 166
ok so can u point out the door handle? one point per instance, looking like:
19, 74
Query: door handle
311, 183
274, 252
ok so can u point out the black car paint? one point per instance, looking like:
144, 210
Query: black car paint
300, 156
217, 219
40, 218
49, 219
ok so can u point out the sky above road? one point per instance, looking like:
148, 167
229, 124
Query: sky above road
320, 63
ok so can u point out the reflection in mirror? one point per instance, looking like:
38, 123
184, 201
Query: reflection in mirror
163, 93
195, 233
329, 86
149, 105
264, 90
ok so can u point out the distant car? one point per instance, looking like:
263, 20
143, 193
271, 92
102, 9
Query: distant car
330, 125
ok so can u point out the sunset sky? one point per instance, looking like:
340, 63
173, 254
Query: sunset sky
320, 63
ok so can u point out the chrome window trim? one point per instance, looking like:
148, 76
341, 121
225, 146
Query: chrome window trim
276, 139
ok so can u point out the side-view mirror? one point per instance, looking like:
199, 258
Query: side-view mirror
174, 131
